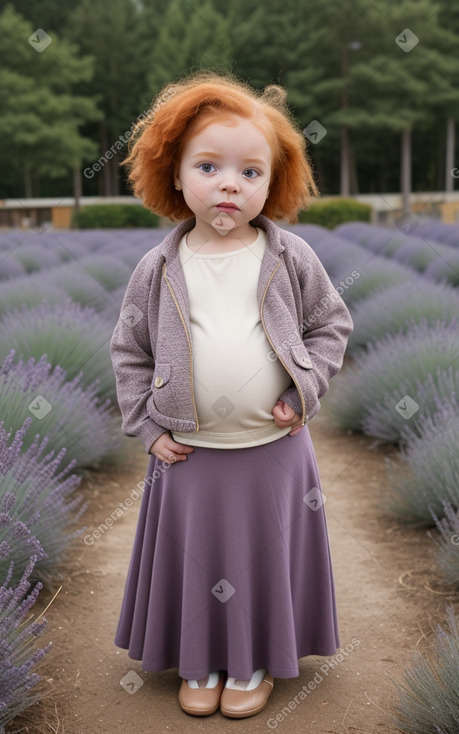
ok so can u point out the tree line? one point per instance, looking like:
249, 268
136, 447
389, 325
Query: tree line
374, 85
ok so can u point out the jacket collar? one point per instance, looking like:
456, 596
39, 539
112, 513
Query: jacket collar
170, 243
169, 248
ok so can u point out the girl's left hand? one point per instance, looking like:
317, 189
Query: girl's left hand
285, 416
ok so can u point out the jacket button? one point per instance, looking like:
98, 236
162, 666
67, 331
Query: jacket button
159, 382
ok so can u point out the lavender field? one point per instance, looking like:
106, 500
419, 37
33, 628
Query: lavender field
60, 297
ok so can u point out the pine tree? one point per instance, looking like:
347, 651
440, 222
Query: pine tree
42, 117
111, 30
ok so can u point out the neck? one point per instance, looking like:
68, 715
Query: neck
210, 241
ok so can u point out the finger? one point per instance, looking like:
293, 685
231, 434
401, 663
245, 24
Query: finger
169, 458
176, 457
174, 452
283, 422
287, 414
178, 448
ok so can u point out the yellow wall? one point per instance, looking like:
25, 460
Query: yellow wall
62, 216
450, 212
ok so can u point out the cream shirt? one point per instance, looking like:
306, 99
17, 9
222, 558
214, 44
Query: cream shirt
235, 384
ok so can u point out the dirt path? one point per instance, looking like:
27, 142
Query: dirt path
381, 620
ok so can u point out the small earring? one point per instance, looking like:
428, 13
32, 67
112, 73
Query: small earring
177, 188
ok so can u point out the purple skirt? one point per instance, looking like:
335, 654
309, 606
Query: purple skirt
230, 568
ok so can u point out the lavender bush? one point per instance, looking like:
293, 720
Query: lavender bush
46, 249
38, 507
79, 285
59, 285
108, 270
124, 248
18, 651
444, 270
428, 475
73, 337
337, 255
441, 232
10, 268
376, 275
352, 231
431, 229
132, 255
29, 290
70, 246
442, 384
34, 256
395, 309
419, 253
363, 233
379, 240
69, 414
429, 697
311, 233
418, 364
447, 554
111, 311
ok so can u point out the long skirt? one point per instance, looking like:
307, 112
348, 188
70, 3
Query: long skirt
230, 567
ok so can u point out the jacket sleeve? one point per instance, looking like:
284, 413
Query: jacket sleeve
325, 329
132, 358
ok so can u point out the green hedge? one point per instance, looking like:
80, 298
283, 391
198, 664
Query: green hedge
114, 216
331, 214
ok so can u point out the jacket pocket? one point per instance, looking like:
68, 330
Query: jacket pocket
307, 380
161, 376
301, 356
162, 400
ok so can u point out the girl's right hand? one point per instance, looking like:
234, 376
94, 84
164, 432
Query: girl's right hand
166, 449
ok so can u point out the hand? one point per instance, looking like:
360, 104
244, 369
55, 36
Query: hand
285, 416
166, 449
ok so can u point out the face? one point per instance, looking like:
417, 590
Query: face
224, 175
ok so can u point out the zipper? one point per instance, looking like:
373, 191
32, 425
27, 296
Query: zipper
274, 348
190, 348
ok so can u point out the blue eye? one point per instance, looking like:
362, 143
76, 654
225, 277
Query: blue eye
253, 171
205, 167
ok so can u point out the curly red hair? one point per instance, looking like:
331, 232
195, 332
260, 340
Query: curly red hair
183, 108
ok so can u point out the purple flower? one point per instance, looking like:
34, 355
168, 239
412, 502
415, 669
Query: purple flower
394, 310
420, 364
17, 652
76, 419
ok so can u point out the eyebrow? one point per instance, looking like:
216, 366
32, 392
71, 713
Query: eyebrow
212, 154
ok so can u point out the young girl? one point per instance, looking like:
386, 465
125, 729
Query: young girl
229, 333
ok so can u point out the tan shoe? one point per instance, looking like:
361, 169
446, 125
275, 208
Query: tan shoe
237, 704
201, 701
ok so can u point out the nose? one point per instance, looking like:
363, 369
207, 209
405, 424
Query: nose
229, 183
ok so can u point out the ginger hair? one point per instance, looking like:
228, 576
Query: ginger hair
183, 109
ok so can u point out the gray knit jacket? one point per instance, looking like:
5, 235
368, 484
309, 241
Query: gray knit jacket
305, 320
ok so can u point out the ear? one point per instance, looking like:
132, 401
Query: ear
176, 177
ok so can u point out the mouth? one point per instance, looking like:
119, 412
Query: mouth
227, 206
